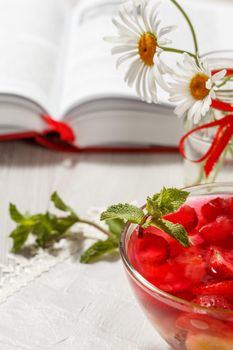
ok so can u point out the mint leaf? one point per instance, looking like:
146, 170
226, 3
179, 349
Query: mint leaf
46, 228
176, 231
64, 224
15, 214
49, 228
19, 236
152, 208
115, 226
60, 204
170, 199
126, 212
99, 249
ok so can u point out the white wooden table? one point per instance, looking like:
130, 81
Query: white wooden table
74, 306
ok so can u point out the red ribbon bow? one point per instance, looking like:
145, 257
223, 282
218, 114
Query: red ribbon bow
221, 139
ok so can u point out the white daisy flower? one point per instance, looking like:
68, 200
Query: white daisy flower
193, 88
138, 41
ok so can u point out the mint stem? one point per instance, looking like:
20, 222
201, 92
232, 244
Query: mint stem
93, 224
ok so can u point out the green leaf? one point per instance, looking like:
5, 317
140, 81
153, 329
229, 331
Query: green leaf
49, 228
126, 212
170, 199
43, 229
176, 231
64, 224
19, 236
116, 226
98, 250
15, 214
60, 204
152, 208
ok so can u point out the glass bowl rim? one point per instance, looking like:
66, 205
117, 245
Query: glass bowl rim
139, 279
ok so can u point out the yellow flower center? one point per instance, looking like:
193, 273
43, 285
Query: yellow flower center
198, 87
147, 45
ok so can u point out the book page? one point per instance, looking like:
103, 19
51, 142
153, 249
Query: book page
31, 32
90, 71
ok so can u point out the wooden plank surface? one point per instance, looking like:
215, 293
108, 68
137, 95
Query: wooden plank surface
76, 306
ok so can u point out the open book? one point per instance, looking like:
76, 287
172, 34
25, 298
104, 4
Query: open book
55, 63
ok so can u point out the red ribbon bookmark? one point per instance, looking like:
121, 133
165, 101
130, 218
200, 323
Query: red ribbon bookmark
64, 130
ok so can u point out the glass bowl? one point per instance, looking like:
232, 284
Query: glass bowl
182, 324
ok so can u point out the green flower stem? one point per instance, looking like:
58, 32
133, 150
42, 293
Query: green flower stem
226, 79
171, 49
190, 26
201, 175
93, 224
220, 165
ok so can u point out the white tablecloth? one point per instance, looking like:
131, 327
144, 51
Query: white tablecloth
76, 306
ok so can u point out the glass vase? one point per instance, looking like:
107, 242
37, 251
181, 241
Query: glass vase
198, 143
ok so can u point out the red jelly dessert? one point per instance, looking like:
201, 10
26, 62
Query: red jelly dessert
200, 275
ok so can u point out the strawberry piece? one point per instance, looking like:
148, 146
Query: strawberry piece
186, 216
214, 208
218, 232
148, 252
181, 273
171, 278
193, 265
196, 239
215, 301
175, 247
220, 263
224, 289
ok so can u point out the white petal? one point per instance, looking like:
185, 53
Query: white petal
219, 76
178, 98
163, 67
181, 109
142, 83
164, 42
165, 30
206, 105
160, 80
146, 86
212, 94
153, 14
138, 80
131, 73
152, 86
124, 58
123, 28
198, 114
209, 84
122, 49
193, 113
128, 22
120, 40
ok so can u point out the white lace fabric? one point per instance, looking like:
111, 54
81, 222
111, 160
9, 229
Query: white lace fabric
20, 270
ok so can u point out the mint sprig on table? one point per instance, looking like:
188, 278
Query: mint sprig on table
48, 228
